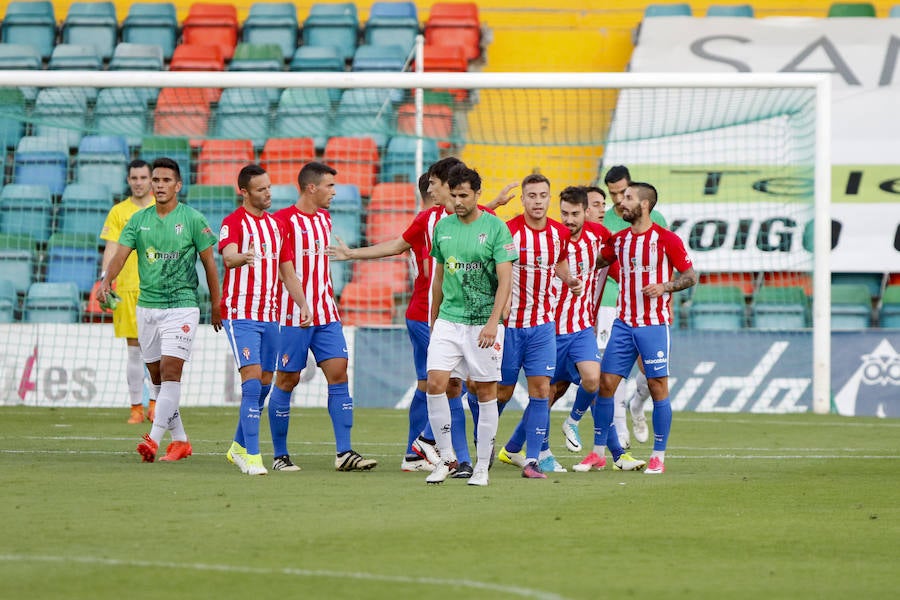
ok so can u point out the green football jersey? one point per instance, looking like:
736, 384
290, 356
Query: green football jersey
615, 223
470, 253
167, 251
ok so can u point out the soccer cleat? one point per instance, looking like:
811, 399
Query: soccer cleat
625, 440
255, 465
441, 472
177, 451
479, 477
237, 455
151, 410
550, 465
573, 440
641, 431
352, 461
137, 414
464, 471
533, 471
627, 462
656, 466
591, 461
284, 463
516, 459
147, 449
415, 463
426, 449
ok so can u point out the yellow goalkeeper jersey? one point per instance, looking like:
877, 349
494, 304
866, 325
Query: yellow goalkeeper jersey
128, 280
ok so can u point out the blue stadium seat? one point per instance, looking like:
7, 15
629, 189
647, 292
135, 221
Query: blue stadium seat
851, 306
242, 113
75, 56
332, 25
53, 303
365, 112
17, 260
26, 210
272, 23
874, 282
32, 23
780, 308
152, 23
102, 160
668, 10
19, 57
137, 57
83, 209
12, 117
399, 161
92, 23
895, 11
717, 307
122, 111
316, 58
61, 113
393, 23
379, 58
73, 258
43, 161
346, 213
730, 10
889, 314
304, 112
283, 195
9, 301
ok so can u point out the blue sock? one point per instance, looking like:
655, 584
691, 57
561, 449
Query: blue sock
263, 394
250, 414
418, 417
472, 399
340, 408
612, 442
604, 410
279, 419
458, 430
501, 406
583, 401
536, 426
545, 445
427, 433
517, 439
662, 423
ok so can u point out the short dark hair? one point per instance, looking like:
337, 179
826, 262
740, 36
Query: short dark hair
461, 174
423, 185
534, 178
645, 192
441, 169
575, 194
617, 173
164, 162
137, 164
247, 173
593, 188
313, 172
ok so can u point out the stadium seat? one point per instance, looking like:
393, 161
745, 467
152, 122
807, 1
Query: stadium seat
53, 303
197, 57
379, 58
332, 25
717, 307
17, 259
283, 195
152, 23
874, 282
212, 25
384, 226
19, 57
399, 160
365, 112
84, 208
393, 197
366, 304
243, 113
745, 281
9, 301
780, 308
304, 113
455, 24
893, 279
729, 10
42, 161
26, 210
889, 315
220, 161
102, 160
393, 23
176, 148
340, 274
61, 113
894, 12
386, 271
92, 23
437, 122
75, 258
346, 214
282, 158
137, 57
272, 23
789, 278
356, 160
182, 112
668, 10
215, 202
256, 57
439, 58
32, 23
851, 9
316, 58
851, 306
122, 111
12, 117
83, 57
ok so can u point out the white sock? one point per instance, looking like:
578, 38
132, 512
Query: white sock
619, 414
168, 417
600, 450
439, 417
134, 375
641, 394
571, 421
661, 454
544, 454
488, 418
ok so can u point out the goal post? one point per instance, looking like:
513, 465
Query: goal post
565, 124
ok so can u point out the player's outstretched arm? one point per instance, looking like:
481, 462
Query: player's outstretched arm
212, 280
504, 197
381, 250
292, 284
488, 334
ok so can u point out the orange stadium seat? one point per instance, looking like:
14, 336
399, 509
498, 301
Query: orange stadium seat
283, 157
220, 161
387, 271
745, 281
197, 57
366, 304
455, 24
182, 112
212, 25
356, 160
437, 122
387, 225
439, 58
790, 279
393, 197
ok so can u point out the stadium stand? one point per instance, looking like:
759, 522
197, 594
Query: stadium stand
874, 282
31, 23
455, 24
392, 23
18, 260
780, 308
395, 271
242, 113
92, 23
42, 161
272, 23
680, 9
19, 56
48, 302
137, 57
182, 112
851, 306
61, 113
851, 9
719, 307
356, 160
197, 57
437, 122
9, 301
333, 25
215, 202
730, 10
212, 25
102, 160
220, 161
371, 304
399, 160
73, 258
75, 56
280, 157
83, 208
26, 209
283, 195
346, 213
368, 57
152, 23
304, 113
889, 314
122, 111
12, 117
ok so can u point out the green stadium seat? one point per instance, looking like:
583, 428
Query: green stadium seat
137, 57
152, 23
273, 23
889, 315
730, 10
176, 148
83, 209
9, 301
283, 195
61, 113
874, 282
26, 210
304, 113
102, 160
215, 202
12, 117
365, 112
715, 307
122, 111
851, 9
256, 57
57, 302
399, 161
31, 23
851, 306
73, 258
780, 308
332, 25
392, 23
243, 113
42, 161
679, 9
92, 23
17, 260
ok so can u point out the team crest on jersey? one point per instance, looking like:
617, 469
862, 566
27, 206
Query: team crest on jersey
264, 248
652, 247
284, 360
482, 238
186, 328
223, 233
246, 353
178, 228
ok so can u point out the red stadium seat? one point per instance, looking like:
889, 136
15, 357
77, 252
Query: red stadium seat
384, 226
789, 279
212, 25
220, 161
356, 160
283, 157
455, 24
387, 271
437, 122
197, 57
387, 197
439, 58
182, 112
745, 281
366, 304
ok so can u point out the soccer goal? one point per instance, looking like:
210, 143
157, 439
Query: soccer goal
741, 163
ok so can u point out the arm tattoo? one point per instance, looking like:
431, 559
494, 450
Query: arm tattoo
682, 282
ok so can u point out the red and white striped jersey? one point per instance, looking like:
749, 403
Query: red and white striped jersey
645, 259
252, 291
309, 235
574, 313
419, 235
532, 302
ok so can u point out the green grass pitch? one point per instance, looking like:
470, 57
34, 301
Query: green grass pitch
752, 506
